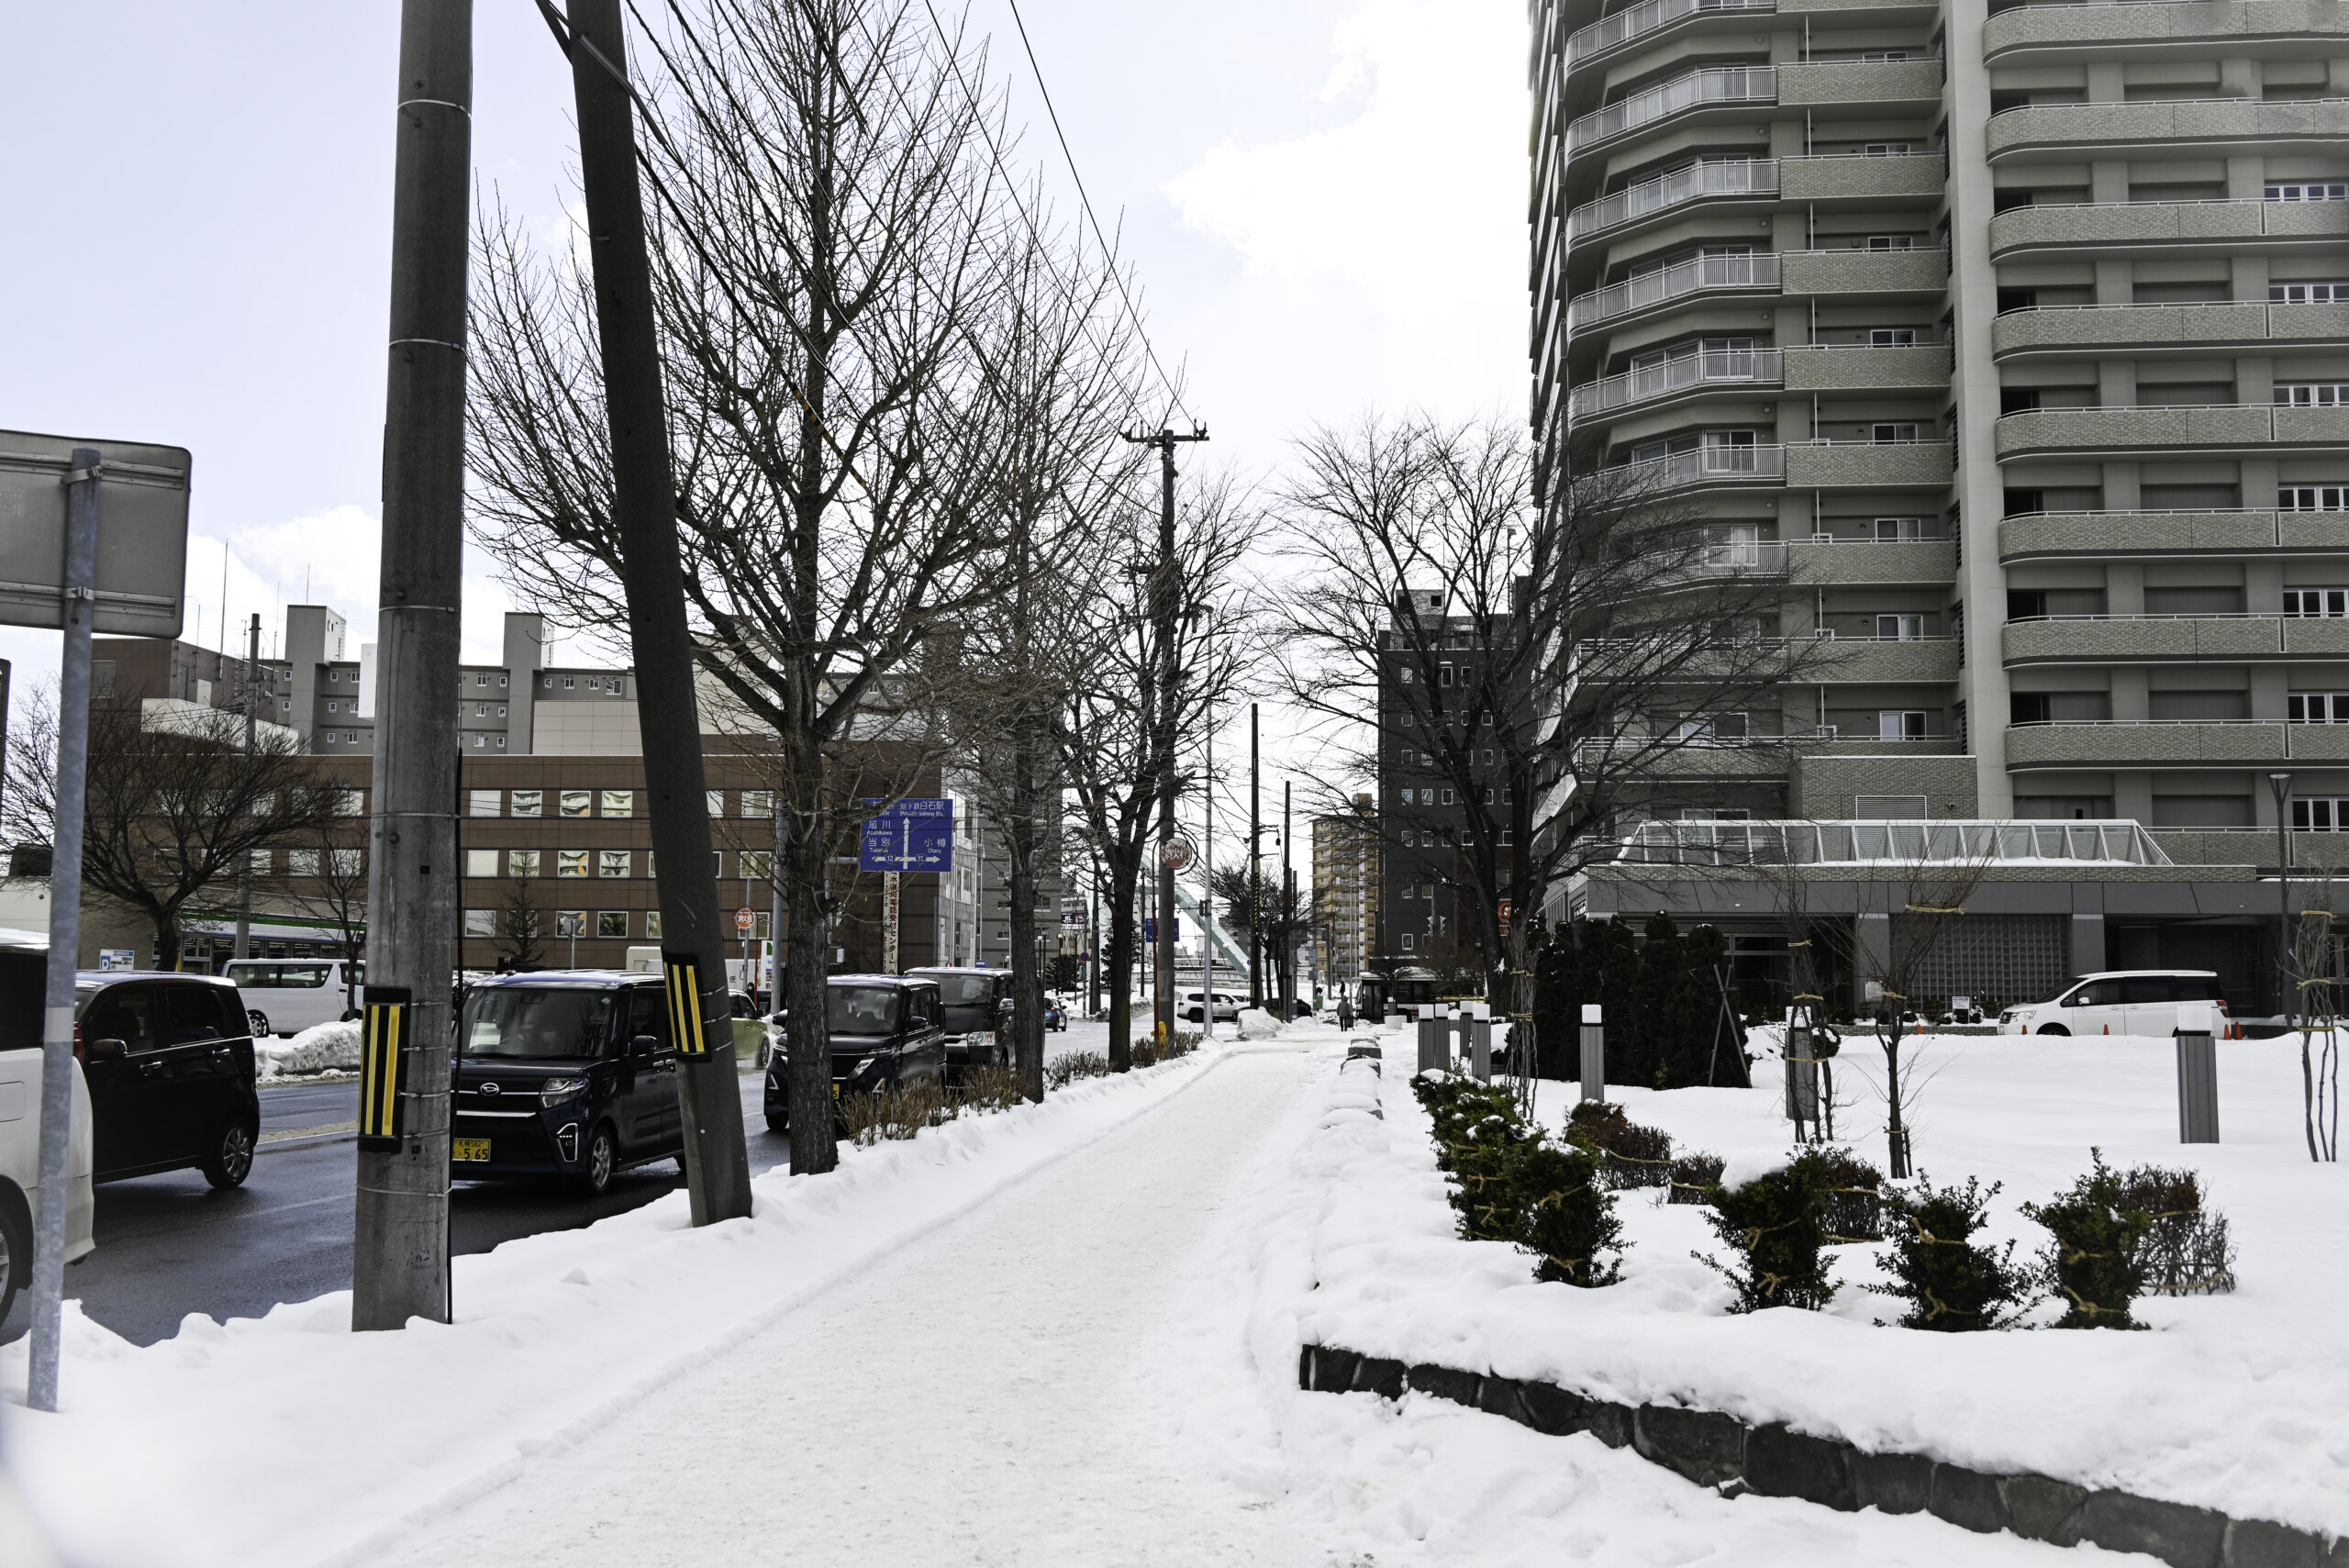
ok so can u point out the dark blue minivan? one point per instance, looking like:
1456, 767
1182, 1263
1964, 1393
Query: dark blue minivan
567, 1072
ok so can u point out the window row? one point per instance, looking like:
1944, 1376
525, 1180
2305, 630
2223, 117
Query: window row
609, 803
607, 925
756, 865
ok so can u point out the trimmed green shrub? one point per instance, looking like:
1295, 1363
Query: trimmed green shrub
1630, 1155
2186, 1250
1661, 997
1855, 1197
1777, 1226
1951, 1284
1511, 1184
1694, 1177
2091, 1261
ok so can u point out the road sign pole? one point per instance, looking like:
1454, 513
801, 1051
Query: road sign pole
64, 926
889, 897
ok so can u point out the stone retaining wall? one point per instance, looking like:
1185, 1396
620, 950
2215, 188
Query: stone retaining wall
1722, 1451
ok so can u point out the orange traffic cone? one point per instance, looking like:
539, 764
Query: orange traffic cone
2108, 1028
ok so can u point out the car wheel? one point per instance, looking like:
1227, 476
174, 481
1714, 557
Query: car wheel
257, 1021
780, 1126
352, 1014
16, 1255
603, 1158
232, 1160
2053, 1029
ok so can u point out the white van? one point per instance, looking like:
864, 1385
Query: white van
1227, 1007
287, 995
2125, 1001
22, 975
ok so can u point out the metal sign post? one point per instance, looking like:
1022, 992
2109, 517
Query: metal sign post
889, 903
53, 572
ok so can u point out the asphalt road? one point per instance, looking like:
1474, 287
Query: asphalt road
169, 1245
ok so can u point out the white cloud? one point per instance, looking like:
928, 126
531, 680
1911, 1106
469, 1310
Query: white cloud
1413, 204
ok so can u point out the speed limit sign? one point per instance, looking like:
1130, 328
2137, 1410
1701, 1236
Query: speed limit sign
743, 919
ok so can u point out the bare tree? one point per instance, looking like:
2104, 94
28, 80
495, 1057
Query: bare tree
1107, 732
521, 926
2316, 960
836, 272
326, 881
173, 810
1541, 668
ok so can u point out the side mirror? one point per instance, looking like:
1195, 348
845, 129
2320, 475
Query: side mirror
104, 1051
644, 1045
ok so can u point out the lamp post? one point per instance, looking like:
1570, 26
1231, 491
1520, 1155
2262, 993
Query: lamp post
2281, 784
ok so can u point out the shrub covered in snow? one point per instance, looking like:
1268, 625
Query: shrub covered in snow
1855, 1197
1950, 1283
1257, 1023
1694, 1177
1775, 1221
1630, 1155
2186, 1250
2091, 1261
1513, 1184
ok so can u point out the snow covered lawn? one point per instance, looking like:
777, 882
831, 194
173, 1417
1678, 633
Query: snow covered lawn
287, 1440
2232, 1402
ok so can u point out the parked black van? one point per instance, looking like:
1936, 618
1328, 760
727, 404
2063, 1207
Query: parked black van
565, 1072
978, 1011
887, 1032
169, 1059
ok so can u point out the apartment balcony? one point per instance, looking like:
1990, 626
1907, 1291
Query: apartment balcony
2060, 33
1855, 177
1858, 368
2092, 535
1904, 85
2174, 743
1644, 22
2124, 227
2153, 329
1881, 661
1711, 88
1869, 465
1804, 368
1838, 178
2173, 639
1767, 274
1872, 562
2253, 847
2251, 429
2241, 127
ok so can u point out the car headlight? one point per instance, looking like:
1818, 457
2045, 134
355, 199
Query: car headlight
554, 1091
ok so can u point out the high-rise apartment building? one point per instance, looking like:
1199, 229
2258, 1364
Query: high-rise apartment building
1346, 859
2014, 341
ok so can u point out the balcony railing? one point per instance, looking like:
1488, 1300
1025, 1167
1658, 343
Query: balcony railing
1727, 177
1698, 275
1636, 21
1717, 367
1715, 84
1701, 466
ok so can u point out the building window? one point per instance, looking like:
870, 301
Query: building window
1891, 243
2316, 601
480, 922
2317, 708
1407, 941
2307, 293
1898, 724
2330, 191
480, 741
570, 862
2312, 498
568, 682
483, 802
571, 922
528, 802
716, 803
501, 743
351, 738
481, 862
758, 803
285, 704
334, 708
612, 863
757, 864
612, 684
301, 863
1892, 337
653, 925
2321, 813
1900, 432
330, 737
334, 675
575, 802
481, 680
1899, 629
612, 923
546, 682
2311, 394
481, 710
501, 682
620, 802
522, 862
1888, 149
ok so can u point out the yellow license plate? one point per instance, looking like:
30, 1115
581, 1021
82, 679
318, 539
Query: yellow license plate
470, 1149
836, 1091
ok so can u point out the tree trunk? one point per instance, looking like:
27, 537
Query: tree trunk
1123, 935
1026, 983
167, 942
813, 1150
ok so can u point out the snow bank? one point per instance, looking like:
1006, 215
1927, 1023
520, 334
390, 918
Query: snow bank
2233, 1402
321, 1048
287, 1440
1257, 1023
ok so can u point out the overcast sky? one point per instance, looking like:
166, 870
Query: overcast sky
1324, 200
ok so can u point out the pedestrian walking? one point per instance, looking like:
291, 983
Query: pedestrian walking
1345, 1013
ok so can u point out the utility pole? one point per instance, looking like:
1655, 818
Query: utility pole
1288, 912
1255, 857
245, 868
400, 1247
644, 508
1167, 597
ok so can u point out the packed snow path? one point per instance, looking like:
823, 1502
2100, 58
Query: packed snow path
977, 1398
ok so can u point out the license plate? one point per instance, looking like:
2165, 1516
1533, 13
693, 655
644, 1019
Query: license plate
470, 1149
836, 1091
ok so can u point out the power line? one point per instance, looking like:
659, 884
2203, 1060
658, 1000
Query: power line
1087, 201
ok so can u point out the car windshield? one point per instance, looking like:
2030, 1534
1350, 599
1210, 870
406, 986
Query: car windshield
516, 1022
964, 990
861, 1009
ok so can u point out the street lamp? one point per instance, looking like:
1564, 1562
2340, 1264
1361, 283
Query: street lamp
2281, 784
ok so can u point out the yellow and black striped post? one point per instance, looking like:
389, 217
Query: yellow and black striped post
383, 1069
682, 974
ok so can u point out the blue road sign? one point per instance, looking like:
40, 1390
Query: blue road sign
911, 835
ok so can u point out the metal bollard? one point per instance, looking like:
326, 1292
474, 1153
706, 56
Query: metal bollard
1476, 1028
2198, 1076
1435, 1041
1594, 1053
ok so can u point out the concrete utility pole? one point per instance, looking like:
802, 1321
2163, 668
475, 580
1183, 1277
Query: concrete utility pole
1166, 597
644, 505
1288, 911
400, 1250
1255, 859
245, 870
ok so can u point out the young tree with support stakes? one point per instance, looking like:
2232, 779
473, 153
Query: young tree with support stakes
1517, 670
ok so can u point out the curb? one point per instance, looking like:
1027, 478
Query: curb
1774, 1461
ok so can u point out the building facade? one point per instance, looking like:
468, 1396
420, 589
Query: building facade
1346, 858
